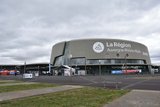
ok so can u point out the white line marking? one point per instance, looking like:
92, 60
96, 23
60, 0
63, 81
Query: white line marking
131, 85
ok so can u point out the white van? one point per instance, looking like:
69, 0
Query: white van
68, 71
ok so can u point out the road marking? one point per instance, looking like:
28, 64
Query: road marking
88, 80
131, 85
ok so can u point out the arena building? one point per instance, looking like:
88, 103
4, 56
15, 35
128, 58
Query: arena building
102, 56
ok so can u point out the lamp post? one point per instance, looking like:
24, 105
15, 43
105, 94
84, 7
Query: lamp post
49, 68
38, 69
99, 67
85, 66
70, 57
70, 64
125, 63
24, 67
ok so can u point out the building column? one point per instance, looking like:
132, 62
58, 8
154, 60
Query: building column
150, 69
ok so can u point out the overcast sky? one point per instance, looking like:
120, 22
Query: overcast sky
29, 28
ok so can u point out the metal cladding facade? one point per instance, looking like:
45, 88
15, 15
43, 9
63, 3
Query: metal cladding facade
104, 53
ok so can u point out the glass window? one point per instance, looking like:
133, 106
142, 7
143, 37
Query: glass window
120, 61
113, 61
92, 62
97, 62
135, 61
78, 61
129, 61
105, 61
81, 61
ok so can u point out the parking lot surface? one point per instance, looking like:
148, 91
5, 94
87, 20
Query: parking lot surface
143, 82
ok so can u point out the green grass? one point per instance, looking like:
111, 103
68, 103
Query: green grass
8, 81
85, 97
24, 87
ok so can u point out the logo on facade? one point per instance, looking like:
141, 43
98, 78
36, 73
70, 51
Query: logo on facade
98, 47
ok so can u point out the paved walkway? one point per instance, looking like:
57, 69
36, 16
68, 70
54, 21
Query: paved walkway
137, 98
27, 93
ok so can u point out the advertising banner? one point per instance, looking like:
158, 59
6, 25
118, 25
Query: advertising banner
126, 71
131, 71
117, 72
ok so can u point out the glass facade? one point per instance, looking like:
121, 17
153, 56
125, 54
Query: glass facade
102, 66
81, 61
105, 66
78, 61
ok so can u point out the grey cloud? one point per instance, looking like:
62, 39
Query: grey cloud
28, 26
30, 53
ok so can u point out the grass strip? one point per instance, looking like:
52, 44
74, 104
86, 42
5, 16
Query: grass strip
24, 87
84, 97
9, 81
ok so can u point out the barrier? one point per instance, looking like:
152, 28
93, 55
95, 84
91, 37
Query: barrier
28, 75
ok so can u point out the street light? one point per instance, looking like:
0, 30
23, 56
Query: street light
70, 57
85, 65
125, 63
24, 67
99, 67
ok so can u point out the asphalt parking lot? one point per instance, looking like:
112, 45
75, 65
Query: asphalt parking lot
143, 82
